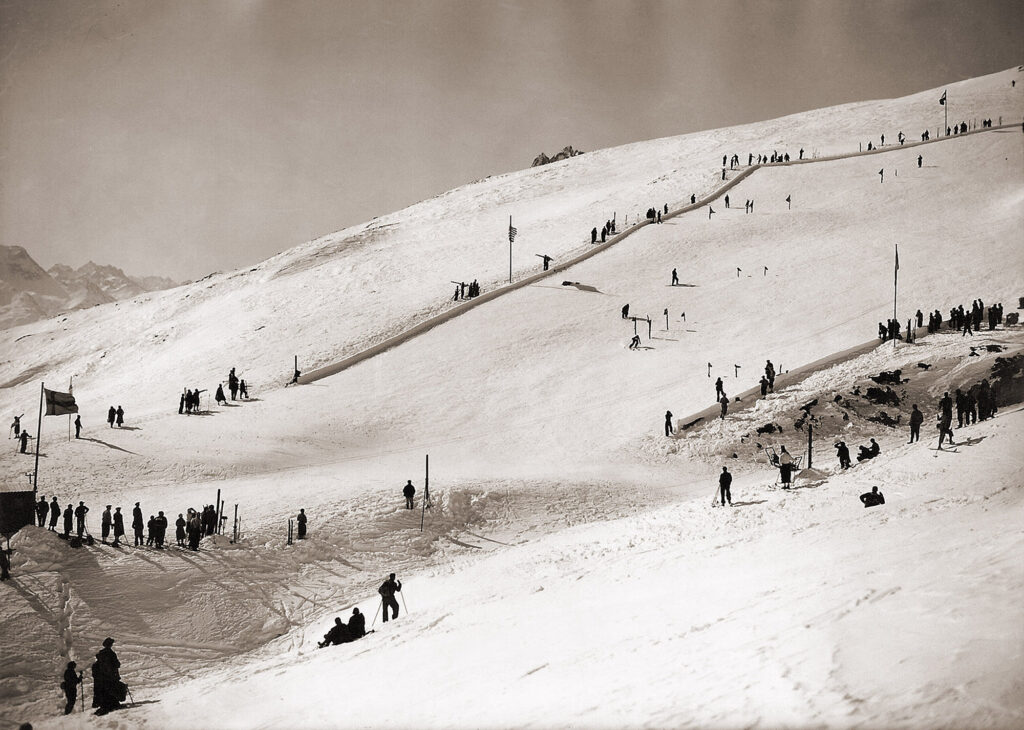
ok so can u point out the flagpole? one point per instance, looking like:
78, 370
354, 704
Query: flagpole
71, 391
510, 250
39, 437
895, 284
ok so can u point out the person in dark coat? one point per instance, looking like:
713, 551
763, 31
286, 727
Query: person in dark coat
719, 392
625, 311
764, 386
118, 527
769, 372
300, 519
725, 405
243, 390
106, 520
338, 634
181, 404
675, 278
78, 427
916, 419
960, 401
54, 514
80, 512
409, 491
843, 452
137, 525
233, 384
42, 509
357, 624
872, 498
150, 530
111, 415
25, 436
5, 565
120, 416
724, 482
218, 397
593, 235
668, 423
869, 452
70, 686
160, 525
107, 689
179, 530
387, 592
69, 517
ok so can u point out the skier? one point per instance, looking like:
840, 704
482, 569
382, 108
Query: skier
872, 498
120, 417
70, 686
118, 527
218, 397
42, 509
16, 426
54, 514
25, 436
916, 419
111, 415
106, 519
107, 690
338, 634
718, 389
668, 423
408, 490
137, 525
80, 511
843, 452
634, 344
243, 390
301, 520
724, 482
725, 405
69, 516
387, 592
625, 311
78, 427
675, 278
785, 468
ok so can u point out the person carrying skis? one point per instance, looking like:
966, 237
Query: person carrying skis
408, 490
872, 498
724, 482
70, 686
387, 592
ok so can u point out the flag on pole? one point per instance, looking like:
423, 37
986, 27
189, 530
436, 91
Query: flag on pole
511, 231
57, 404
896, 270
942, 99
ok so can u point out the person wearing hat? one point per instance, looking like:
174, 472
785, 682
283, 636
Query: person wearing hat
137, 525
301, 519
105, 521
118, 527
70, 686
107, 688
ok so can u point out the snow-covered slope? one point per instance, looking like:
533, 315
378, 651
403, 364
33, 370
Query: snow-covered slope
544, 430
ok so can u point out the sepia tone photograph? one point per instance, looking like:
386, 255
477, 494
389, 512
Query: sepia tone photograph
486, 365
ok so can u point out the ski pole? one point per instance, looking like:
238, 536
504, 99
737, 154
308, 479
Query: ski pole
403, 602
129, 690
376, 613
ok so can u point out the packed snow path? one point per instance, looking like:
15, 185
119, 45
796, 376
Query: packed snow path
717, 193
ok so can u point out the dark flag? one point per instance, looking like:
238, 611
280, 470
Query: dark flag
511, 231
57, 404
942, 99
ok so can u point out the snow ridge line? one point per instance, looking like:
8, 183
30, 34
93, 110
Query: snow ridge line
439, 319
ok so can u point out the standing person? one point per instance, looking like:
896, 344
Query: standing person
107, 688
769, 372
301, 520
243, 391
668, 423
16, 426
718, 389
78, 427
625, 311
764, 386
25, 436
160, 523
151, 530
69, 516
724, 484
218, 397
675, 278
106, 520
42, 509
70, 686
54, 514
233, 383
111, 415
961, 408
408, 490
387, 592
80, 512
725, 405
785, 467
843, 452
916, 419
137, 525
179, 530
593, 235
120, 416
118, 527
946, 419
181, 404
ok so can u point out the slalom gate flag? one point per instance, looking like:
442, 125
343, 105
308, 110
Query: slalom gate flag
942, 99
57, 404
512, 233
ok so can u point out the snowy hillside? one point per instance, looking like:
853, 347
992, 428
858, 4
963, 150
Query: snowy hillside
572, 572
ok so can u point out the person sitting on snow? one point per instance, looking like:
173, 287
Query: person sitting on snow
872, 498
337, 635
869, 452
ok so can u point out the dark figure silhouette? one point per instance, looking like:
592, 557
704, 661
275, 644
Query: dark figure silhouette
919, 158
869, 452
54, 514
357, 624
80, 511
668, 423
843, 452
593, 235
5, 565
42, 509
111, 415
25, 436
108, 691
409, 491
70, 686
625, 311
387, 592
718, 389
872, 498
916, 419
119, 417
724, 483
338, 634
137, 525
675, 277
69, 516
301, 520
118, 527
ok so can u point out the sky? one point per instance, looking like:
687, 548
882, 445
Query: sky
179, 138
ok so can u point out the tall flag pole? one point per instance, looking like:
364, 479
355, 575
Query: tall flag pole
511, 237
71, 392
39, 436
945, 111
895, 283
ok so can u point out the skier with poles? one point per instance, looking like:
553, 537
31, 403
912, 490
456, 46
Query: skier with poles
70, 686
724, 482
387, 592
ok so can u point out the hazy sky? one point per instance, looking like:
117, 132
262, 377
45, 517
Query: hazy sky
179, 138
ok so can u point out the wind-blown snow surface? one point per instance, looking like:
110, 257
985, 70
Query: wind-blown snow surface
617, 598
